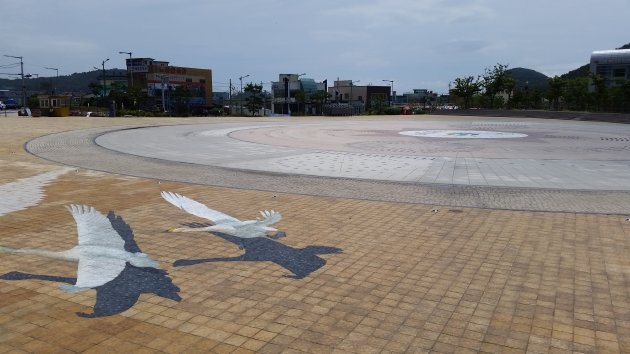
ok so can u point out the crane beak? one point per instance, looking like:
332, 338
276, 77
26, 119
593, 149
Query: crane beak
185, 229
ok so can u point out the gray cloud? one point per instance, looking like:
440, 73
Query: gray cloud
414, 42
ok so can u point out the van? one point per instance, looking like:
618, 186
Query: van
11, 103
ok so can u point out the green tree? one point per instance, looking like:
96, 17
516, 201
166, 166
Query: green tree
96, 88
320, 97
378, 102
518, 99
554, 92
300, 97
601, 91
508, 86
254, 97
465, 88
494, 81
136, 97
620, 97
575, 94
180, 100
46, 86
118, 93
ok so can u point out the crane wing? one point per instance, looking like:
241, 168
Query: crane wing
195, 208
269, 217
25, 192
97, 271
94, 228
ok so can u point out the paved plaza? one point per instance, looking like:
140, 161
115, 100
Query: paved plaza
461, 235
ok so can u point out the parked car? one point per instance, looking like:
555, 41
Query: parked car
2, 105
11, 103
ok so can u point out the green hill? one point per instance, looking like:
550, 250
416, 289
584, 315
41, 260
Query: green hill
77, 82
530, 78
582, 71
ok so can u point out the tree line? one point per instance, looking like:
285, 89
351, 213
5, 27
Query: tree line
496, 89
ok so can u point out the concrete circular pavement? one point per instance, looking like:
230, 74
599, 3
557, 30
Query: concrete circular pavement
549, 165
548, 154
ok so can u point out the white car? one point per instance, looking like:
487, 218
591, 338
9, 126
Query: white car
2, 105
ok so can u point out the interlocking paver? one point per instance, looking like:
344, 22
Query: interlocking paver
408, 279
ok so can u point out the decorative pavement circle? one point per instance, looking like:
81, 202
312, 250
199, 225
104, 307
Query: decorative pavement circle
462, 134
557, 166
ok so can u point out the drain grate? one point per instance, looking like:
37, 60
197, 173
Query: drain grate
614, 139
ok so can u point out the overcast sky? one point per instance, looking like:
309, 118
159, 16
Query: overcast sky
416, 43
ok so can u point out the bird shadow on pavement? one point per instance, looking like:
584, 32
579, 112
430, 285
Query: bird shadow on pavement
299, 261
122, 292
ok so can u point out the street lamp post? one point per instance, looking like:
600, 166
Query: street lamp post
103, 65
53, 86
129, 68
241, 94
303, 96
393, 101
286, 108
22, 76
164, 80
352, 97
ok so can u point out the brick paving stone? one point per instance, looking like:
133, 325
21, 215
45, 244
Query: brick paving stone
464, 279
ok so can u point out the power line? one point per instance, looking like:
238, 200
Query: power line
7, 66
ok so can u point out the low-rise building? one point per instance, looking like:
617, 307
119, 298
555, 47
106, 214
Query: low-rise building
291, 94
360, 97
55, 105
160, 80
420, 97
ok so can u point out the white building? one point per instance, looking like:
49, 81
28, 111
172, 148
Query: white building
613, 65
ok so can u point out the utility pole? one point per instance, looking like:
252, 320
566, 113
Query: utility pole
303, 95
393, 98
129, 67
264, 98
241, 95
103, 64
103, 89
164, 82
57, 70
22, 76
229, 99
286, 95
351, 96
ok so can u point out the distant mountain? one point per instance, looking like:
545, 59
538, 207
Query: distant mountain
77, 82
582, 71
530, 78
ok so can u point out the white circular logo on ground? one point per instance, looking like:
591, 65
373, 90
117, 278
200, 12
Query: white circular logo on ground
462, 134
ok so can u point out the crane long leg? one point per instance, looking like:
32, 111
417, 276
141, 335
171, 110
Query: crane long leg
188, 262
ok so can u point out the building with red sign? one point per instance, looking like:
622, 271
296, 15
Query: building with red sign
160, 80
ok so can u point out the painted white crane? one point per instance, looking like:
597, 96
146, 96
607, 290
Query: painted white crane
101, 250
222, 222
25, 192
